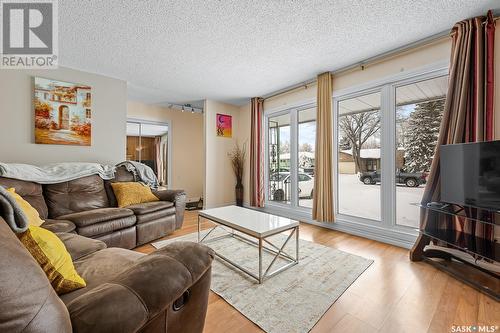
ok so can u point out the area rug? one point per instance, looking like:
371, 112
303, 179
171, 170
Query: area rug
291, 301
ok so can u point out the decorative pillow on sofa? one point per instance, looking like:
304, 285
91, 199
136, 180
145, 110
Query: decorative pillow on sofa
28, 210
131, 193
51, 254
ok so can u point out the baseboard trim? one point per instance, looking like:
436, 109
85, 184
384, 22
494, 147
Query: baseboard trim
392, 237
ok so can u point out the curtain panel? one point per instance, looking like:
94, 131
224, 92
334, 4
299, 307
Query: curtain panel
468, 112
256, 154
323, 180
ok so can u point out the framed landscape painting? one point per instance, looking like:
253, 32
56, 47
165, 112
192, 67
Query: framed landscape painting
63, 113
224, 125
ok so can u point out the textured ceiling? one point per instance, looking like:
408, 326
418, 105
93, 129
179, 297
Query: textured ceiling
181, 51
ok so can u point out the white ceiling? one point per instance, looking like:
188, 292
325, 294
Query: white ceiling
181, 51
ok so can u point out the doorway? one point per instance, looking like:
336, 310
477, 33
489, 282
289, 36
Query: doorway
63, 117
150, 143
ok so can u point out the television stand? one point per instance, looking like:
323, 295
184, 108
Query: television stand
439, 229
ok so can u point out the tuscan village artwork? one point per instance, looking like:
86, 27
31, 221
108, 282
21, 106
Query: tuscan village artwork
63, 113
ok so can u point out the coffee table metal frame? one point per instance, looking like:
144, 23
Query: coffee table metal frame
277, 251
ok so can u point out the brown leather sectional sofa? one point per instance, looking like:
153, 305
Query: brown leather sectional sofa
126, 292
88, 207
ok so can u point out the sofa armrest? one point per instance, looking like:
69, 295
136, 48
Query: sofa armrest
142, 291
59, 225
178, 198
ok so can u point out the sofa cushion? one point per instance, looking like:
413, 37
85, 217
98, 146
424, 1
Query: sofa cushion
86, 218
31, 192
149, 207
75, 196
51, 254
131, 193
121, 175
79, 246
107, 227
156, 215
124, 238
155, 229
100, 267
59, 225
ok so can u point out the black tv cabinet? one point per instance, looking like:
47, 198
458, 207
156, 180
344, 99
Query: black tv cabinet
440, 230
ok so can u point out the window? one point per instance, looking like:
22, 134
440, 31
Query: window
385, 138
279, 159
88, 113
358, 147
290, 147
306, 148
419, 109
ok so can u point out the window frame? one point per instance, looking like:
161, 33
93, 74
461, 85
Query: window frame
293, 111
387, 88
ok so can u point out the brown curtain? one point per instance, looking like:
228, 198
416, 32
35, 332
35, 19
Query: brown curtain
323, 184
468, 112
256, 154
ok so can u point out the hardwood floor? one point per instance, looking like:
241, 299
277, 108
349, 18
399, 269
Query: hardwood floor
393, 295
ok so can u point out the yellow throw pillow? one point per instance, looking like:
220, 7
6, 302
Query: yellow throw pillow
28, 210
131, 193
51, 254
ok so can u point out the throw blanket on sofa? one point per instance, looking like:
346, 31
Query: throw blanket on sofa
145, 174
55, 173
12, 213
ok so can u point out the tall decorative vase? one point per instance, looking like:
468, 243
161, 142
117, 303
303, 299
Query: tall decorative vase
239, 194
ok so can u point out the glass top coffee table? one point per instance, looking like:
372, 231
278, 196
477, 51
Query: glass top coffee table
258, 226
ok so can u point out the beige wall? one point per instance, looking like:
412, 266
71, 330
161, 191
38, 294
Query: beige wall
219, 176
417, 58
421, 57
109, 98
187, 144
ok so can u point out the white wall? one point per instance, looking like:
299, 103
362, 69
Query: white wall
109, 98
187, 144
219, 176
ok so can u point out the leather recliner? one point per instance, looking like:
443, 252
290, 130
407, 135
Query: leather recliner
127, 291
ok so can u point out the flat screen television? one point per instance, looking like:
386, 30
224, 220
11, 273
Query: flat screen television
470, 174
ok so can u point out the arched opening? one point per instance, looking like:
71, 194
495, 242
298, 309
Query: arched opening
63, 117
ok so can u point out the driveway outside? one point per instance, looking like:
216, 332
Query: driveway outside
358, 199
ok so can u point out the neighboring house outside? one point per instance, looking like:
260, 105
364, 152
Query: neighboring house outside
370, 160
306, 160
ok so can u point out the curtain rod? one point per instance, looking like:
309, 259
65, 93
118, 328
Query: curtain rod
421, 42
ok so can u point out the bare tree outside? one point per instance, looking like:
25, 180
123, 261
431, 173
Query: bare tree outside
357, 129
